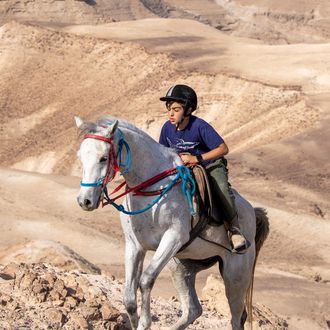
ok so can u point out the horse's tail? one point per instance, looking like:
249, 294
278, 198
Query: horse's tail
262, 231
262, 228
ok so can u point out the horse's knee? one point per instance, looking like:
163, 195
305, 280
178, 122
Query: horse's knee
131, 308
130, 304
147, 282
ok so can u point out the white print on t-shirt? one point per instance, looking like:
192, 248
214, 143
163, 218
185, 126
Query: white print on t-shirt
181, 145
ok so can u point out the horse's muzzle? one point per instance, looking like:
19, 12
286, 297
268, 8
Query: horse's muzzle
86, 204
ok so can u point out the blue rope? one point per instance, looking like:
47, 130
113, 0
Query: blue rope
94, 184
128, 162
188, 186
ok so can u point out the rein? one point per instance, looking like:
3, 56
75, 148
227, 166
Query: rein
138, 189
183, 176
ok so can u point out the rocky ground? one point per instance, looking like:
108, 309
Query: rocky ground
41, 296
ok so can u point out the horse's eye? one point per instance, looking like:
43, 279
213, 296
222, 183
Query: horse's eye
103, 159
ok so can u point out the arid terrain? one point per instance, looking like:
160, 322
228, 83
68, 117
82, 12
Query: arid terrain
262, 73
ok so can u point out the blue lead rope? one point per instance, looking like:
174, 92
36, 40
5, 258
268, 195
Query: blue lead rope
128, 162
188, 187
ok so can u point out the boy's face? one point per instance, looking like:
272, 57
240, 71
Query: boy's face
175, 112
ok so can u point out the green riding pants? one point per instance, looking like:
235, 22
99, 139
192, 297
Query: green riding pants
218, 175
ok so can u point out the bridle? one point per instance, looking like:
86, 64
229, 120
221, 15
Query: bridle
112, 163
183, 176
114, 159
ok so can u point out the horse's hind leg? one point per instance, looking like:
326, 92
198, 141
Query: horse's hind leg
237, 281
134, 257
184, 274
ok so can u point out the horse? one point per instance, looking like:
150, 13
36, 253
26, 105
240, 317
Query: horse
163, 224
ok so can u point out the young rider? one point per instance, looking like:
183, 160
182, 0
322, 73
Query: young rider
198, 142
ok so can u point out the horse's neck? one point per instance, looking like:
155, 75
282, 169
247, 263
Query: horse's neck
148, 158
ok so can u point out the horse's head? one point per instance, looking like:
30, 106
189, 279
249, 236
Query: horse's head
98, 159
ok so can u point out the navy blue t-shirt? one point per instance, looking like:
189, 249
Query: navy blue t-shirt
197, 138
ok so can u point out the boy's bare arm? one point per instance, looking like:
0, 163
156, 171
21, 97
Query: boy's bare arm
218, 152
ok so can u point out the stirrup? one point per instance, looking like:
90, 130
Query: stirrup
240, 249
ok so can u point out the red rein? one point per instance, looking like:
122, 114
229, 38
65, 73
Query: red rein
138, 189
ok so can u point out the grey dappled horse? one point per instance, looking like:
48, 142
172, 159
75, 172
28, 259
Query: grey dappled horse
166, 225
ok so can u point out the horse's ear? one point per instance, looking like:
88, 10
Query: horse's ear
112, 128
79, 122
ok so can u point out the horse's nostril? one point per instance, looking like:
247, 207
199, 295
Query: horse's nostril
87, 202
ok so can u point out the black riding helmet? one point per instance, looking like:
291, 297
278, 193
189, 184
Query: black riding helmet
183, 94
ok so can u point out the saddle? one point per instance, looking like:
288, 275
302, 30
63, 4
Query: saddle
208, 210
206, 203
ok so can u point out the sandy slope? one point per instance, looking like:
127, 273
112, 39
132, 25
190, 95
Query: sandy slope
52, 215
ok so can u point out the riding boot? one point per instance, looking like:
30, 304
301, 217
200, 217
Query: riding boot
238, 241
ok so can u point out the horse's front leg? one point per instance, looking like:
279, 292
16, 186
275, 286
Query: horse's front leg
169, 245
134, 256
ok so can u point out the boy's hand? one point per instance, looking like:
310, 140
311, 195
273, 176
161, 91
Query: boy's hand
188, 159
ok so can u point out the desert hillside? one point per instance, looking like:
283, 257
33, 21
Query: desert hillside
72, 11
262, 73
270, 21
60, 74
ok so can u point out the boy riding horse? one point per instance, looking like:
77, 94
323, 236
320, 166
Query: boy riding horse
197, 142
